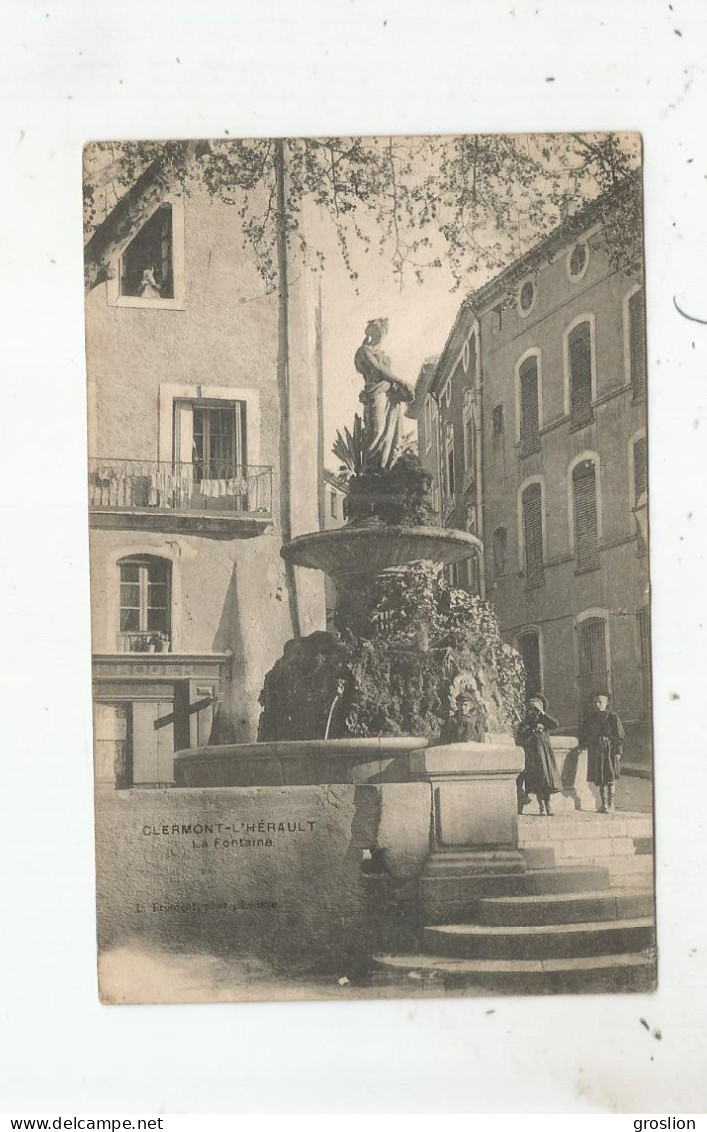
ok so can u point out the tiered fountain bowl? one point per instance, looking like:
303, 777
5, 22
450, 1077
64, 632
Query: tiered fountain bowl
347, 554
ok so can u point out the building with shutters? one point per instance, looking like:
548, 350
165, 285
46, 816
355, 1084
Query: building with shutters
200, 419
533, 423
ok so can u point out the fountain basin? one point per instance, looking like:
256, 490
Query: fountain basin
300, 762
370, 550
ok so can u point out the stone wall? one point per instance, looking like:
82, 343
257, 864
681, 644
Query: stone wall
269, 873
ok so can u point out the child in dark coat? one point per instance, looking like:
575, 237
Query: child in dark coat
541, 776
602, 735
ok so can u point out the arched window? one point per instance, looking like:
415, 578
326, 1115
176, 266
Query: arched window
528, 644
469, 437
428, 423
584, 497
640, 470
593, 654
145, 623
500, 543
532, 526
635, 315
529, 405
449, 444
580, 365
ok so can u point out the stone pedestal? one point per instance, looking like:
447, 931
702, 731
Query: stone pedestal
474, 807
577, 793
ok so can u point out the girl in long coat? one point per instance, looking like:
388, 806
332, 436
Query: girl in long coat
541, 776
601, 733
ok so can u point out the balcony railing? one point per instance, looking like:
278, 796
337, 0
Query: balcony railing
144, 641
152, 485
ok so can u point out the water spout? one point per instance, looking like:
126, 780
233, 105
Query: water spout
339, 693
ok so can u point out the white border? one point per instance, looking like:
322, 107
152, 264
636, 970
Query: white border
326, 68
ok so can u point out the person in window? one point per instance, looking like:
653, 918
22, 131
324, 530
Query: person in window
148, 285
602, 735
464, 725
541, 776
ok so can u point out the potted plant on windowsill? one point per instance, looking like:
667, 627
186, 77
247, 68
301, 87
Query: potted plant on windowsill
158, 642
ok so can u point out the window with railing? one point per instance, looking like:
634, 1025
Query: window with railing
584, 498
532, 507
145, 623
147, 485
593, 657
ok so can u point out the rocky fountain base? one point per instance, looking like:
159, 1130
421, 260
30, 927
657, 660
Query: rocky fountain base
351, 706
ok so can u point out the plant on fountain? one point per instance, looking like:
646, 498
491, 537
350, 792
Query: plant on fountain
404, 639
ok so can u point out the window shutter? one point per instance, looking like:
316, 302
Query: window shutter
580, 360
529, 407
585, 515
593, 673
533, 535
640, 469
637, 342
644, 631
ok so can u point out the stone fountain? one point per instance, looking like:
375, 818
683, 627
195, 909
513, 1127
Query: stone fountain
366, 704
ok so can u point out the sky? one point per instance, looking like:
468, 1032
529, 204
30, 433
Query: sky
420, 316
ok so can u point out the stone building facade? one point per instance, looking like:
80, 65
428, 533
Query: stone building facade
197, 411
533, 422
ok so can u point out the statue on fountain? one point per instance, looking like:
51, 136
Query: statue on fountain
383, 398
405, 640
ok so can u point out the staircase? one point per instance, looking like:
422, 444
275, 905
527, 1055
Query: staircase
579, 919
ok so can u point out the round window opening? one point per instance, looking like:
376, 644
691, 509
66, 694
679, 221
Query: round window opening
527, 297
578, 261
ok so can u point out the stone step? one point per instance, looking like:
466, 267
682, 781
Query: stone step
533, 829
595, 974
455, 889
539, 856
627, 872
547, 941
565, 908
585, 849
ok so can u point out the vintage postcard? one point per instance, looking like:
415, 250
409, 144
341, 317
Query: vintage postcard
368, 505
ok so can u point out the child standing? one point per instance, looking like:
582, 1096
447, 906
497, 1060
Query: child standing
601, 733
541, 776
